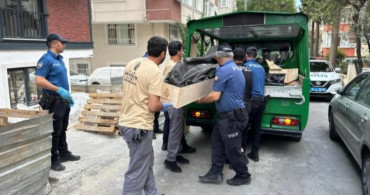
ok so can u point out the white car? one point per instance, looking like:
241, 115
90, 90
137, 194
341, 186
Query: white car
75, 78
325, 81
104, 75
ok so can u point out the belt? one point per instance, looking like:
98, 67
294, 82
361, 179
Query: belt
258, 98
240, 111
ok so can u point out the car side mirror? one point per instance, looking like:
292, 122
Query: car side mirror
338, 70
339, 90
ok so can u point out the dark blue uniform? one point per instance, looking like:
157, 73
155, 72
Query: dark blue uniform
52, 68
258, 104
231, 120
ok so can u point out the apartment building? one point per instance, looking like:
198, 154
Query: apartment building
24, 26
121, 28
347, 38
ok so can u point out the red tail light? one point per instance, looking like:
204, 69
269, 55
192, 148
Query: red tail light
200, 114
284, 121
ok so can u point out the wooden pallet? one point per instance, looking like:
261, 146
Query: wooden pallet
101, 113
5, 113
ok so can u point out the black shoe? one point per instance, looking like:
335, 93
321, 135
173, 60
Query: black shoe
159, 131
172, 166
188, 149
68, 156
237, 181
164, 147
211, 177
57, 166
181, 160
253, 157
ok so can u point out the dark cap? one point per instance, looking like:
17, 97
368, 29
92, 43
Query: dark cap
55, 36
224, 47
251, 50
239, 53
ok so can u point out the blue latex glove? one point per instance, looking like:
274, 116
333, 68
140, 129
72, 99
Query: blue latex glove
64, 94
165, 106
71, 103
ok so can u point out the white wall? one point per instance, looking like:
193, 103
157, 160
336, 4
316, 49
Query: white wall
23, 59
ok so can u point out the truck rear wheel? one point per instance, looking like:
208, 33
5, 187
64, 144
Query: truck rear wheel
207, 128
296, 138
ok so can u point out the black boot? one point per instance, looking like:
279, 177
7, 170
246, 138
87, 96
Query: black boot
164, 146
68, 156
172, 166
187, 149
211, 177
181, 160
254, 157
237, 181
57, 166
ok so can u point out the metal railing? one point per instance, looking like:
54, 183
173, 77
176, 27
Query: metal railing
22, 24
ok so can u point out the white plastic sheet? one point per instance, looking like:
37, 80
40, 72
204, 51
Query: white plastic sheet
80, 100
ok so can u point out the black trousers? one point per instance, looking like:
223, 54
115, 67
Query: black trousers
61, 110
166, 128
226, 142
257, 107
156, 123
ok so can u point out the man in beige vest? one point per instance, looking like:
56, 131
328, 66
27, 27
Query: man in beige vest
142, 86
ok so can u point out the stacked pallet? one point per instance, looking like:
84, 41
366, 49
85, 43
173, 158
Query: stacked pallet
101, 113
15, 113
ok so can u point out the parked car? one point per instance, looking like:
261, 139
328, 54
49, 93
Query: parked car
104, 75
349, 119
324, 79
75, 78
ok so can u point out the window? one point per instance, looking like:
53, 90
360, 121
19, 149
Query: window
174, 32
364, 96
83, 69
327, 39
198, 5
353, 87
346, 15
223, 3
22, 87
320, 67
23, 19
121, 34
187, 2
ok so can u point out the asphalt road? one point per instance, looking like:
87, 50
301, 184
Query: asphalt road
315, 165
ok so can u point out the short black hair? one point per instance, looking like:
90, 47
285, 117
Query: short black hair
156, 45
252, 52
174, 47
239, 54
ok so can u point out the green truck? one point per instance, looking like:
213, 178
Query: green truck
281, 38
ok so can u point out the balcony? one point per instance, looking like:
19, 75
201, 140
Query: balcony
15, 24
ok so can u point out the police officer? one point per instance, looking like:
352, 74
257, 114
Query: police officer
142, 86
228, 95
257, 99
51, 75
239, 59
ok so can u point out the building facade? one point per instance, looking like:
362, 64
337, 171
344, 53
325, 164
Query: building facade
24, 26
121, 28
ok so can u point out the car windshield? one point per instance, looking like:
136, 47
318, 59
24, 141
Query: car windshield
320, 67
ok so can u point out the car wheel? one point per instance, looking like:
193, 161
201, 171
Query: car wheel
95, 83
332, 132
207, 128
366, 174
296, 138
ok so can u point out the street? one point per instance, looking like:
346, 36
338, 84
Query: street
315, 165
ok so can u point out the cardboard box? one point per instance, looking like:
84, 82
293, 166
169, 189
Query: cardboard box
290, 74
181, 96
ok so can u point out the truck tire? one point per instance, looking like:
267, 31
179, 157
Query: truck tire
207, 128
296, 138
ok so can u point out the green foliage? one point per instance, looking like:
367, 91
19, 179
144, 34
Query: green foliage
268, 5
319, 10
339, 60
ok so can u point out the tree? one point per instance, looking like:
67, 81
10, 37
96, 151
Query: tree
360, 27
327, 12
268, 5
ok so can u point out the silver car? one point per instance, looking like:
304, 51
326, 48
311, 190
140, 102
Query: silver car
349, 119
